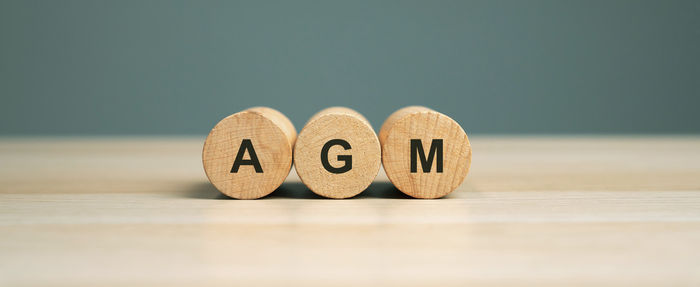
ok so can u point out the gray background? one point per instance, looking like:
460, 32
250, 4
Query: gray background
177, 67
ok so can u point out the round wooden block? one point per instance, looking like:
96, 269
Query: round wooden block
248, 155
425, 154
337, 154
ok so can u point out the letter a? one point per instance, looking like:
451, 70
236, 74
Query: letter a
246, 144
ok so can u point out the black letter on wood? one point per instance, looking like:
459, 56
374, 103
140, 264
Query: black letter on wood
246, 144
344, 158
427, 164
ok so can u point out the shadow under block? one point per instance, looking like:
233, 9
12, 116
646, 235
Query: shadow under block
337, 154
248, 155
425, 154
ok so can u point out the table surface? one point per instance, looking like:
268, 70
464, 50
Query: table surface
533, 211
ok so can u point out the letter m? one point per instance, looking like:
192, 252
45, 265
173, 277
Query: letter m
426, 163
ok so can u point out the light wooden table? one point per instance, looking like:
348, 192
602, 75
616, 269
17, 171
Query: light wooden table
534, 211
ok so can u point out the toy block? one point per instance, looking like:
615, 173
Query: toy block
248, 155
337, 153
425, 154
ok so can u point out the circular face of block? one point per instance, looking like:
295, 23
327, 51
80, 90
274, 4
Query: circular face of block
248, 155
425, 154
337, 155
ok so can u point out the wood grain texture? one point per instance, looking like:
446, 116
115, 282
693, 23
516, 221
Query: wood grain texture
270, 137
534, 211
446, 166
362, 153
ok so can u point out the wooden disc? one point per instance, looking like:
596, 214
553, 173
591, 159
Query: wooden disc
409, 136
248, 155
337, 154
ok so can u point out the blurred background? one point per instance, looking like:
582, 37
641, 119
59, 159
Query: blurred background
497, 67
